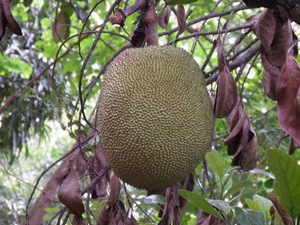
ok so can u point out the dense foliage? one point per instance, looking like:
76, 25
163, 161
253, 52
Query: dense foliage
52, 164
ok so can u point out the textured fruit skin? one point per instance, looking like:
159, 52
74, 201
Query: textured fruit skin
155, 117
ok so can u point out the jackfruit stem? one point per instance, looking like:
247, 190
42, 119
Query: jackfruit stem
151, 22
120, 16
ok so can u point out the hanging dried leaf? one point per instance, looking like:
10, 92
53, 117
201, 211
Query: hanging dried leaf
293, 146
133, 220
103, 216
270, 76
100, 156
294, 50
222, 62
61, 27
115, 187
226, 96
164, 16
297, 104
287, 89
265, 28
78, 220
100, 188
284, 215
2, 23
81, 163
251, 21
69, 192
207, 219
181, 19
7, 19
247, 157
242, 140
281, 42
167, 208
235, 120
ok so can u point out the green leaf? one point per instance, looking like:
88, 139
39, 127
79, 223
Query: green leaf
287, 182
224, 206
247, 217
216, 163
226, 182
200, 202
253, 205
236, 188
154, 200
179, 2
264, 204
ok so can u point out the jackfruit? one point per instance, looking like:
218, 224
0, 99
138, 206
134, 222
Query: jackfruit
155, 117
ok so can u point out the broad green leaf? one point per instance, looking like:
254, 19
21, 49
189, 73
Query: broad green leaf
247, 217
154, 200
264, 204
224, 206
287, 182
179, 2
199, 201
226, 182
236, 188
216, 163
253, 205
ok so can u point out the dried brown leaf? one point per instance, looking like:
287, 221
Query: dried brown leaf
226, 96
112, 220
81, 163
287, 89
284, 215
168, 197
235, 123
100, 188
115, 187
181, 19
133, 220
2, 23
294, 50
69, 193
248, 159
103, 216
78, 220
251, 21
281, 42
100, 156
207, 219
61, 27
222, 62
297, 104
164, 16
236, 120
270, 76
293, 146
10, 21
265, 28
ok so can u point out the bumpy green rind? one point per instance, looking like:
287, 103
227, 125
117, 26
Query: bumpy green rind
155, 117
